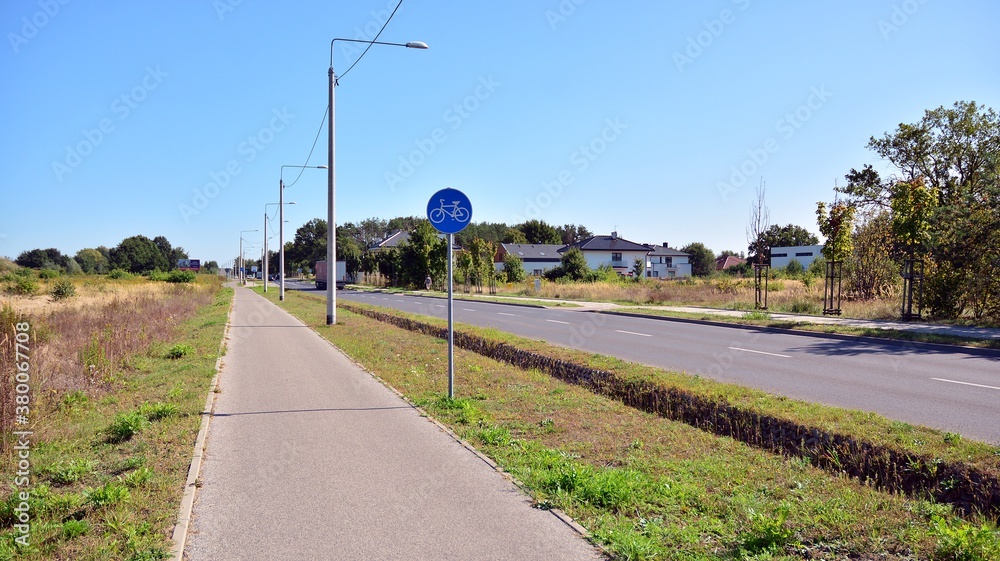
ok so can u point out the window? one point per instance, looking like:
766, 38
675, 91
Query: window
669, 261
779, 255
536, 273
804, 254
616, 256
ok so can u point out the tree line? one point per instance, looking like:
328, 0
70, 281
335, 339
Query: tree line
135, 254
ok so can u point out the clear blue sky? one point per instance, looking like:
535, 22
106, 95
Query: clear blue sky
628, 115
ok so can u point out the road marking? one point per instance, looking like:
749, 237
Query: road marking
438, 306
468, 310
398, 300
633, 333
759, 352
966, 383
557, 321
505, 314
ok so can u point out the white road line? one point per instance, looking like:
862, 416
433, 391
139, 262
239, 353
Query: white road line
438, 306
505, 314
398, 300
557, 321
966, 383
468, 310
759, 352
633, 333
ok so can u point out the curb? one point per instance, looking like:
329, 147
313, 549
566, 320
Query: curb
518, 304
180, 533
806, 333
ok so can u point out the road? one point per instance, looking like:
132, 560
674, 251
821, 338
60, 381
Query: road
309, 457
946, 388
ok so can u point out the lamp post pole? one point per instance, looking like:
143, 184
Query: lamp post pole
281, 226
331, 234
243, 275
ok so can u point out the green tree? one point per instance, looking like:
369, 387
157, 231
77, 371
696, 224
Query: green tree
574, 264
210, 268
537, 231
349, 251
138, 254
50, 258
421, 255
513, 235
309, 245
513, 268
92, 261
789, 235
572, 233
912, 205
638, 267
702, 259
871, 271
836, 224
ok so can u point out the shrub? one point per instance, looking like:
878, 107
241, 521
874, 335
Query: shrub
126, 425
48, 274
158, 275
804, 307
63, 289
23, 285
157, 411
107, 494
74, 528
794, 268
818, 267
180, 350
119, 274
180, 276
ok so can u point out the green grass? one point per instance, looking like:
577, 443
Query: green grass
108, 469
650, 488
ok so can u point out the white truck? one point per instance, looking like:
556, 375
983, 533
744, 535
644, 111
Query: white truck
342, 277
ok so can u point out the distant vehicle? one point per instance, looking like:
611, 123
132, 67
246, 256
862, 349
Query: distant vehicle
342, 277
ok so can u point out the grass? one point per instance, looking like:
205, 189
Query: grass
650, 488
109, 459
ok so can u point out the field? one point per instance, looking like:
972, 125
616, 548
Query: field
119, 372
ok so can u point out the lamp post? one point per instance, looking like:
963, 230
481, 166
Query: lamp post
281, 226
265, 237
243, 276
331, 234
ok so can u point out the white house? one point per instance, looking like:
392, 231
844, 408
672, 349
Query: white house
664, 262
618, 253
536, 258
804, 254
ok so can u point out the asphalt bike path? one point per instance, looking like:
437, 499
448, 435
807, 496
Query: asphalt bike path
309, 457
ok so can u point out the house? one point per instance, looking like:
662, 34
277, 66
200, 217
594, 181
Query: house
664, 262
536, 258
618, 253
391, 241
804, 254
727, 261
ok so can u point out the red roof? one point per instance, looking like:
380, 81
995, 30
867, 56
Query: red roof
723, 263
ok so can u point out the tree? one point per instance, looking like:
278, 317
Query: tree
349, 251
513, 268
836, 224
210, 267
50, 258
638, 266
871, 271
138, 254
574, 264
571, 233
513, 235
702, 259
760, 219
537, 231
421, 255
309, 245
789, 235
92, 261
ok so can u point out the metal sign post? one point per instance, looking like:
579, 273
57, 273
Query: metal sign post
450, 211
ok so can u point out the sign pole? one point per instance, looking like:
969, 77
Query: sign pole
451, 325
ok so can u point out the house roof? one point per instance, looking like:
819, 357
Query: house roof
393, 240
529, 252
666, 251
727, 261
606, 243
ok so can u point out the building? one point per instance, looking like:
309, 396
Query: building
664, 262
727, 261
804, 254
536, 258
613, 251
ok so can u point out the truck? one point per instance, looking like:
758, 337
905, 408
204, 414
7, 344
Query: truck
342, 277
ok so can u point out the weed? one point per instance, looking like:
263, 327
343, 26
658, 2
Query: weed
766, 533
495, 436
962, 541
126, 425
952, 438
179, 350
66, 472
137, 477
48, 274
120, 274
804, 307
75, 528
63, 289
74, 399
180, 276
24, 286
157, 411
108, 494
756, 315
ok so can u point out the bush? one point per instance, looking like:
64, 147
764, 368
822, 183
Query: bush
179, 350
794, 268
125, 425
818, 267
48, 274
25, 286
157, 275
63, 288
180, 276
119, 274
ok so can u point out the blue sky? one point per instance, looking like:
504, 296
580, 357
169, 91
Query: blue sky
657, 119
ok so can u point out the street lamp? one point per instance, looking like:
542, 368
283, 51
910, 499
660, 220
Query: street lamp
331, 233
265, 238
281, 225
243, 276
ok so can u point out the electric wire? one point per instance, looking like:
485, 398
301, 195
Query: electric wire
370, 44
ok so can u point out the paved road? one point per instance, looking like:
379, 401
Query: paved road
945, 388
310, 458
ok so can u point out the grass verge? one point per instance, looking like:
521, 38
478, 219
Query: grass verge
107, 467
648, 487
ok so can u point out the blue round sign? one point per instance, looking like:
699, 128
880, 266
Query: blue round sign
449, 211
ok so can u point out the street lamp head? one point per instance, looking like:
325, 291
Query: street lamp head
416, 45
323, 167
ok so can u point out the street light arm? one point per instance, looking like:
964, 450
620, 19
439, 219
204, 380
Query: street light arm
408, 44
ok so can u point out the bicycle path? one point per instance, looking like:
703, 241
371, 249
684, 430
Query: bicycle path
309, 457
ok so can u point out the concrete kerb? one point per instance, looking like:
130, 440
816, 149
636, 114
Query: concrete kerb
418, 295
562, 516
180, 533
818, 334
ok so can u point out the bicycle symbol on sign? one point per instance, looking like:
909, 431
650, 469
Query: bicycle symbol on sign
454, 210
